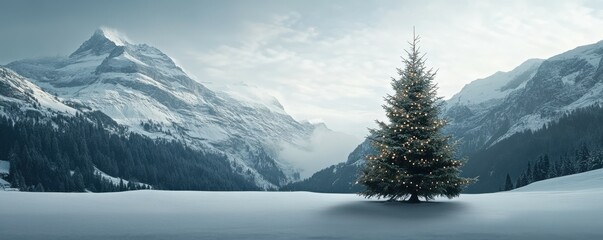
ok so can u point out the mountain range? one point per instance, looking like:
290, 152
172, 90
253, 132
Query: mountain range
132, 88
142, 90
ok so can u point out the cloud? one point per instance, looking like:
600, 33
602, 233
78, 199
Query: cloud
313, 76
339, 73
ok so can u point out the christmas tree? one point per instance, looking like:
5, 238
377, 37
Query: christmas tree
414, 158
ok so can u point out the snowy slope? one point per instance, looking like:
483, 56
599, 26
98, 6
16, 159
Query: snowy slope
495, 87
591, 180
544, 212
18, 92
140, 87
489, 110
250, 95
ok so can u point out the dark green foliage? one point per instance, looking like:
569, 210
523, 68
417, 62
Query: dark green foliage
414, 158
541, 169
78, 181
508, 183
583, 158
43, 155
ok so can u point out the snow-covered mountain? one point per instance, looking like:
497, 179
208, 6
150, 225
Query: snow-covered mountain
142, 88
535, 93
19, 95
493, 89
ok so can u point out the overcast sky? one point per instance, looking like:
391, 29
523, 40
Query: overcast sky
325, 61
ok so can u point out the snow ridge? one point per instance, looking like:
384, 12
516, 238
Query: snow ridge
112, 35
497, 86
19, 90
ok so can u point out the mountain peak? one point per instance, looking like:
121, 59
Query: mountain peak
103, 41
496, 86
112, 35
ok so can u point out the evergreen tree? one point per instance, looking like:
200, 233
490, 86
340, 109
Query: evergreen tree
556, 169
567, 167
36, 157
78, 180
508, 183
596, 161
541, 168
414, 158
545, 167
39, 188
529, 174
582, 158
521, 181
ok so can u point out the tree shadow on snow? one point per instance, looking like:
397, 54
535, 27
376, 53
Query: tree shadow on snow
399, 210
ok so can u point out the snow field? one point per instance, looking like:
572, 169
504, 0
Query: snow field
538, 211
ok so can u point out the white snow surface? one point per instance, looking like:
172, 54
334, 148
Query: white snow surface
563, 208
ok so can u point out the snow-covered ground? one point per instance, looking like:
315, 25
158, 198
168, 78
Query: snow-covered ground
540, 211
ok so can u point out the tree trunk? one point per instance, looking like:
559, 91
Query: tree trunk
414, 198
